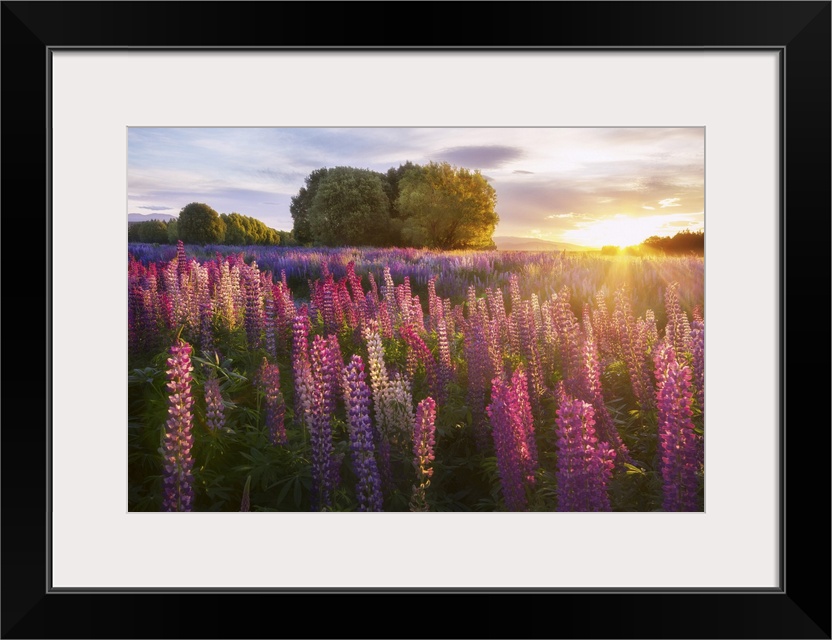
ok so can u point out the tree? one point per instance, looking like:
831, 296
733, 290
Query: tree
153, 231
350, 208
245, 230
150, 231
299, 208
200, 224
173, 231
393, 179
445, 207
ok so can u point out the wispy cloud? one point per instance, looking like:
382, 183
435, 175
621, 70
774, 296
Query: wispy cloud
481, 157
669, 202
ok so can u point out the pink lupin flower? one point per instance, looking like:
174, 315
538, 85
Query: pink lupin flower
178, 463
424, 440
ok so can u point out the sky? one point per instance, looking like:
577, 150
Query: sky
586, 186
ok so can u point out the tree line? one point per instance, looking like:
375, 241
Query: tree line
683, 243
436, 206
200, 224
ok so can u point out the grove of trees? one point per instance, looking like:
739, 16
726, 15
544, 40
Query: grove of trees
684, 242
436, 206
198, 223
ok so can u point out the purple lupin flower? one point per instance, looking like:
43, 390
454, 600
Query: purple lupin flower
253, 306
269, 326
632, 343
446, 369
435, 310
594, 395
677, 330
584, 465
274, 404
357, 397
301, 367
181, 261
328, 306
178, 463
529, 350
424, 440
679, 457
245, 502
570, 346
419, 349
697, 339
325, 365
509, 466
479, 373
206, 337
214, 407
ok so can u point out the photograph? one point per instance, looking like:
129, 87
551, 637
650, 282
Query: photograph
442, 263
420, 319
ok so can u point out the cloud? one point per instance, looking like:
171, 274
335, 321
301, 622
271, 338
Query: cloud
156, 207
481, 157
521, 171
648, 208
669, 202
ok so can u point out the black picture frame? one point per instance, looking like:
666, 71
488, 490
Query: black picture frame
799, 608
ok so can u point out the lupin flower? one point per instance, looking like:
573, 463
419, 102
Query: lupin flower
301, 366
274, 403
178, 463
207, 325
326, 368
594, 395
479, 373
357, 397
424, 440
634, 349
271, 345
584, 464
214, 407
513, 430
181, 261
677, 330
245, 502
446, 368
697, 339
419, 350
679, 447
253, 307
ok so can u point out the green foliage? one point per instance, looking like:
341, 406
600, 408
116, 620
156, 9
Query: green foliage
150, 231
200, 224
243, 230
350, 208
445, 207
684, 242
302, 202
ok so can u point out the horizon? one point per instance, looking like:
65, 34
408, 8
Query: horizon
590, 187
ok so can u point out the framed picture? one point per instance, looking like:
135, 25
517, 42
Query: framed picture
79, 76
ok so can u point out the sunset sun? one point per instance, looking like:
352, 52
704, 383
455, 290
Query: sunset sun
620, 231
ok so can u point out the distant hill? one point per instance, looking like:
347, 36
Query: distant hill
144, 217
507, 243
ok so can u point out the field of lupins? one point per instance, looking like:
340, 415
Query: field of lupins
280, 379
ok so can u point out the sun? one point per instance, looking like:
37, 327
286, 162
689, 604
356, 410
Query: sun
620, 231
